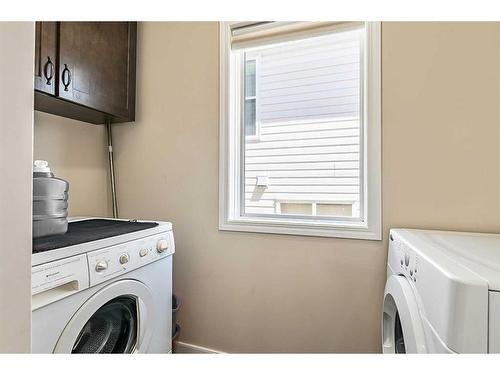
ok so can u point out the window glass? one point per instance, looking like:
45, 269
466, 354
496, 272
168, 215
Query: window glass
111, 329
250, 83
296, 208
250, 126
250, 109
308, 101
323, 209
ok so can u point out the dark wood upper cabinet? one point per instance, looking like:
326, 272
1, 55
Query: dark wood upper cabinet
46, 57
94, 78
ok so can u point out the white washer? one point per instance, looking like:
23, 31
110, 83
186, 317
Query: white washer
115, 290
442, 293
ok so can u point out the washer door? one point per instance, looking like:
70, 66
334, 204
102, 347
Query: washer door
117, 319
402, 330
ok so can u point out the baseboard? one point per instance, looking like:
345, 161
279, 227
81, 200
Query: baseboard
185, 348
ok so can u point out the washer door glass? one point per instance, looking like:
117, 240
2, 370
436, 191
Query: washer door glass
111, 329
119, 318
399, 339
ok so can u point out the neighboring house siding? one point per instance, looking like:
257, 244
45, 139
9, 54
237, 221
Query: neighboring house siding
308, 140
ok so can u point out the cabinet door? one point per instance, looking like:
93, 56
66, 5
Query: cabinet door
46, 57
97, 66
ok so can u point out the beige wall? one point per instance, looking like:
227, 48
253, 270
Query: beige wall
16, 137
246, 292
254, 292
441, 125
240, 292
77, 152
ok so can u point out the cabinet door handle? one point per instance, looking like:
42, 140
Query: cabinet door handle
48, 70
66, 77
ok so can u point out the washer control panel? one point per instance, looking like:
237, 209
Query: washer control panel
113, 261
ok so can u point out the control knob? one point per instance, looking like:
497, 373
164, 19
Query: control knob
124, 258
102, 265
161, 246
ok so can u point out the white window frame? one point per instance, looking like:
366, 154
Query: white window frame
230, 191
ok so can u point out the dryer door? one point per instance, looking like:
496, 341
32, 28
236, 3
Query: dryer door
117, 319
402, 330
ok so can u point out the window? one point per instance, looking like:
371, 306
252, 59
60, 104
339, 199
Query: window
250, 98
314, 208
329, 209
300, 128
291, 208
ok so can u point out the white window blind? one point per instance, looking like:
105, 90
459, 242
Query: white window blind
250, 35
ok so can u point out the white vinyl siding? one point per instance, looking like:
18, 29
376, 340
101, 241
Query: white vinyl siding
309, 124
310, 81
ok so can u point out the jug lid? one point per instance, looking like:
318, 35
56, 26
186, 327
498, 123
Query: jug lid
41, 166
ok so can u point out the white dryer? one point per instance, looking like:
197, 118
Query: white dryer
109, 295
442, 293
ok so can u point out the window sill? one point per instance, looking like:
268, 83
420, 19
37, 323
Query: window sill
347, 229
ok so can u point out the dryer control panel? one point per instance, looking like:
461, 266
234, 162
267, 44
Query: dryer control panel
110, 262
402, 259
